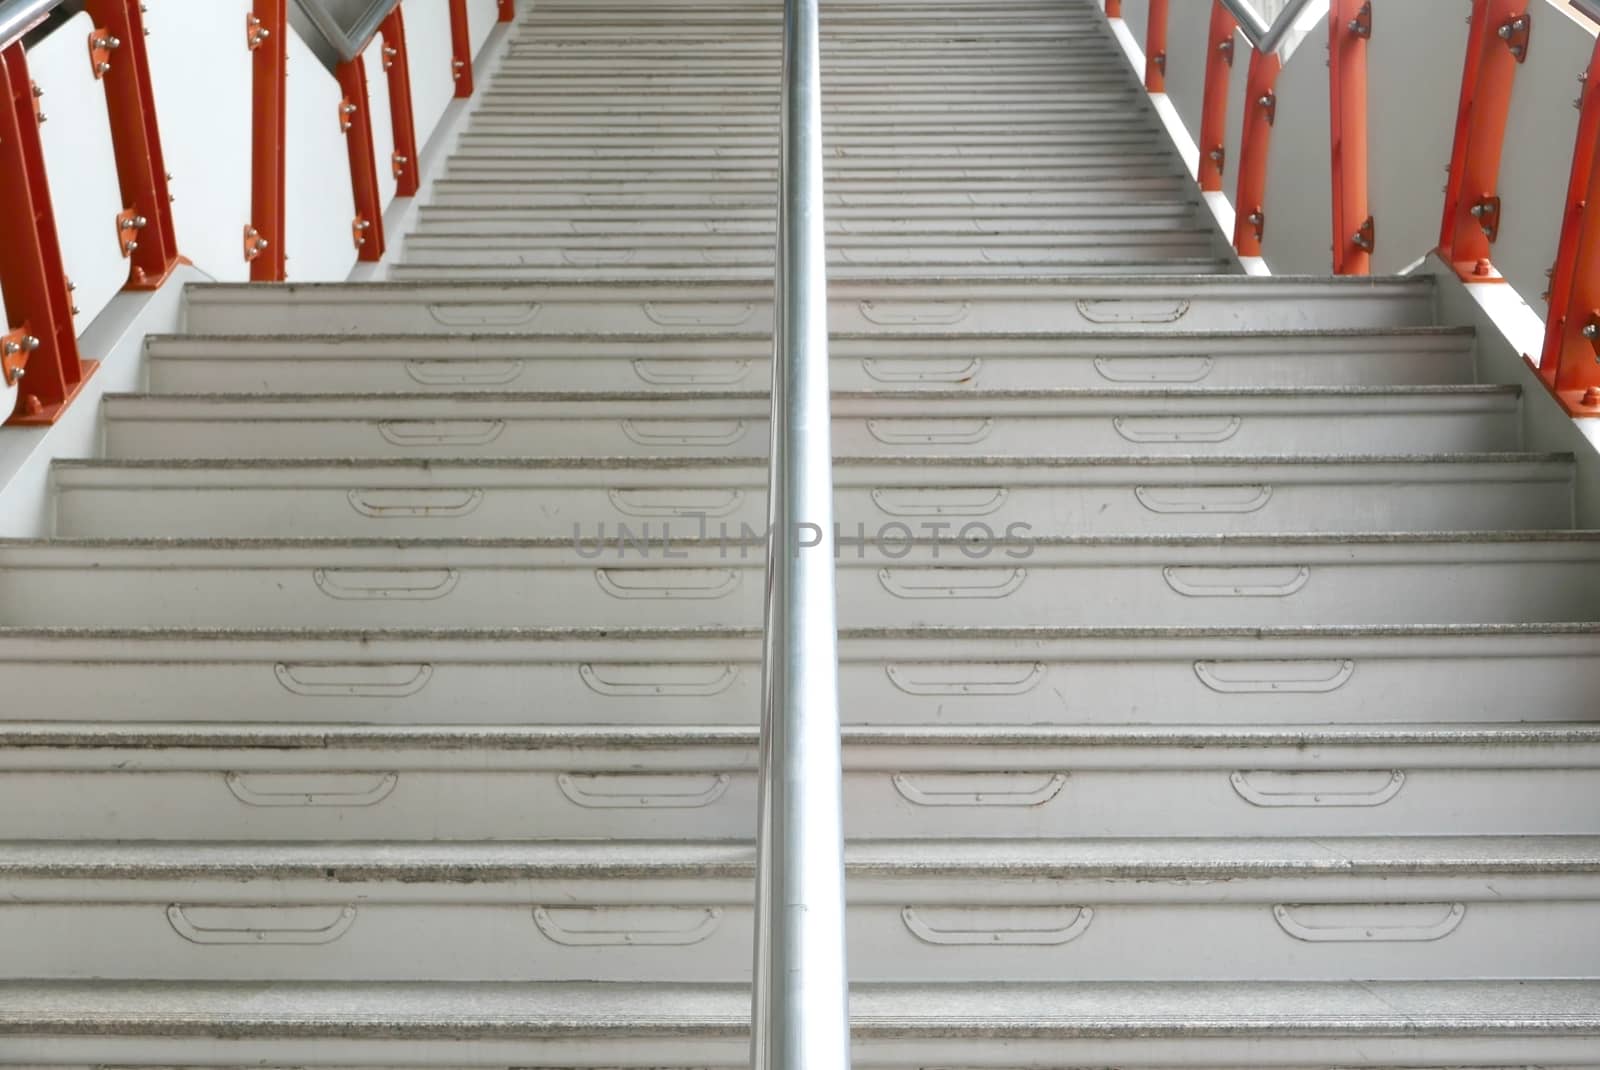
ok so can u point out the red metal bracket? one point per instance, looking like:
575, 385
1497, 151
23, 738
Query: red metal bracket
1366, 235
461, 48
356, 117
32, 275
254, 243
397, 65
1516, 32
1155, 48
1349, 30
1250, 224
101, 44
268, 41
129, 224
1496, 43
14, 350
1214, 107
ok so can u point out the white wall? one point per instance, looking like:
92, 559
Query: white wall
320, 206
81, 166
209, 159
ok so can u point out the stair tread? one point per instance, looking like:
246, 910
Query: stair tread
420, 1009
1137, 859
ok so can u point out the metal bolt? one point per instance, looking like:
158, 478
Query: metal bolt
1215, 154
129, 246
43, 118
30, 343
1591, 330
402, 159
38, 92
1265, 101
18, 373
101, 68
1479, 209
138, 222
391, 52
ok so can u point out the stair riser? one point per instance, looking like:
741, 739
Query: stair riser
725, 590
206, 797
1001, 269
904, 682
411, 503
544, 930
745, 434
865, 306
248, 366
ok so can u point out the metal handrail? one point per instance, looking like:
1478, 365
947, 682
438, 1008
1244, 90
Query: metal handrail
1264, 36
800, 1016
338, 31
17, 17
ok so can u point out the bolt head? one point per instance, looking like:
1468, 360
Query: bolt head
1591, 331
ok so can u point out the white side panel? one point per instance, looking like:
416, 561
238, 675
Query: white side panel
1299, 183
1136, 13
81, 165
205, 135
320, 206
1187, 28
1411, 123
1538, 154
428, 49
382, 120
482, 16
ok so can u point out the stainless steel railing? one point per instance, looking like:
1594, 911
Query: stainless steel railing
1265, 35
800, 1018
17, 17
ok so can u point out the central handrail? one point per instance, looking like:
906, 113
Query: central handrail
1264, 36
800, 1014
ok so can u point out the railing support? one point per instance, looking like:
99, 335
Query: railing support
1113, 9
402, 113
800, 1017
141, 169
508, 10
1260, 112
1497, 45
40, 353
356, 116
1570, 363
460, 48
1155, 48
264, 233
1354, 230
1214, 109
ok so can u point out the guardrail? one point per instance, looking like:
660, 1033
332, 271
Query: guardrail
800, 1017
1497, 48
39, 246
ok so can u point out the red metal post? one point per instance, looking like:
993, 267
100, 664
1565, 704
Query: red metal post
1497, 44
355, 113
397, 64
267, 35
151, 243
1570, 364
1214, 110
1354, 230
1155, 48
1113, 9
508, 10
40, 353
460, 48
1260, 112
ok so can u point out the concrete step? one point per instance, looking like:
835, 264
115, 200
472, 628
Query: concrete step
934, 306
1139, 223
988, 498
1391, 421
1042, 911
888, 677
590, 1026
621, 581
211, 782
1135, 360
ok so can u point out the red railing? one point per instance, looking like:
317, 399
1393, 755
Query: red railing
1498, 45
39, 352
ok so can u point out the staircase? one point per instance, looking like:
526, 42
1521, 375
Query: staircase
1217, 665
